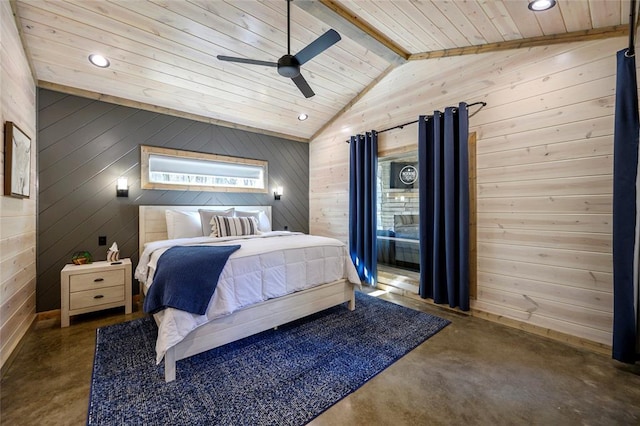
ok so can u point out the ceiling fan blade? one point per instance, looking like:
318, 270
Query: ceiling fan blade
247, 61
303, 86
318, 46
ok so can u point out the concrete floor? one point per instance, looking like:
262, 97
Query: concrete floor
473, 372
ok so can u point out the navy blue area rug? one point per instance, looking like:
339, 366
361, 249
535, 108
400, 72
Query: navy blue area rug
286, 376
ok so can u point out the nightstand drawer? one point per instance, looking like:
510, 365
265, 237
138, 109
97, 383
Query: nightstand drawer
93, 280
96, 297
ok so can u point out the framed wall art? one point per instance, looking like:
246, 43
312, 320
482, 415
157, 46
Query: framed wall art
17, 161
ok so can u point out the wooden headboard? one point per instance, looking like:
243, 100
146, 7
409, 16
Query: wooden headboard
152, 225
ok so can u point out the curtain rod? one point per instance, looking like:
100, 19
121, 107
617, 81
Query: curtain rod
632, 28
401, 126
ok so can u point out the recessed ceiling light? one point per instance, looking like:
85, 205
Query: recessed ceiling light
540, 5
303, 117
99, 60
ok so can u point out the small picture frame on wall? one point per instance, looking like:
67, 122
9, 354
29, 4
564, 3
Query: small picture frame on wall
17, 161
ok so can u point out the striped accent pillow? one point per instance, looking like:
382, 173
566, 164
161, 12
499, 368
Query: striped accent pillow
222, 226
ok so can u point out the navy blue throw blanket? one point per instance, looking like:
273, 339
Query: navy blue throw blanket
186, 278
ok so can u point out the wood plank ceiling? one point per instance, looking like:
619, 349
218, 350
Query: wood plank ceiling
163, 52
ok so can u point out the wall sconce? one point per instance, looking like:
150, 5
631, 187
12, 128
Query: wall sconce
277, 193
122, 187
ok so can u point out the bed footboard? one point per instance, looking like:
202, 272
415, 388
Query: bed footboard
257, 318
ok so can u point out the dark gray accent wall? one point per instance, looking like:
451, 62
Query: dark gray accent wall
84, 145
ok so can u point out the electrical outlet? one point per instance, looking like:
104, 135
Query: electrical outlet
102, 240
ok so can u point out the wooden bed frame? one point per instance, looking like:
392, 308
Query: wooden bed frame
247, 321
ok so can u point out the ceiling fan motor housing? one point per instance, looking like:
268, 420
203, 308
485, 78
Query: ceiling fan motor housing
288, 66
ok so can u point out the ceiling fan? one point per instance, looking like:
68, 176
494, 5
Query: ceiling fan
289, 65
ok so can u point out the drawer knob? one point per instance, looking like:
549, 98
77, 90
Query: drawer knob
97, 280
98, 296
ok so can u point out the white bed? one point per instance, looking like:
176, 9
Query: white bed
332, 283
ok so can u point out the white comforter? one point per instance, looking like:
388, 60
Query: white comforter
266, 266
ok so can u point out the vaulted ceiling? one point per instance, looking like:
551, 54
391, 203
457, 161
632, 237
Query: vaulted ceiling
163, 53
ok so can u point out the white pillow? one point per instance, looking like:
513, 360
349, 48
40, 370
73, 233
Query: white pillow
206, 215
183, 224
261, 217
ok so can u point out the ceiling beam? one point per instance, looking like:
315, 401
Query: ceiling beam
348, 24
584, 35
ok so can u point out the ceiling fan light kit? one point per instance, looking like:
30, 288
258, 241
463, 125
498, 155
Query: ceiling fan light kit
289, 65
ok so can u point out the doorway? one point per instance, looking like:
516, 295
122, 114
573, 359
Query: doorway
397, 223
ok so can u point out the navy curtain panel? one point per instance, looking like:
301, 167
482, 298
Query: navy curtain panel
443, 173
362, 204
625, 220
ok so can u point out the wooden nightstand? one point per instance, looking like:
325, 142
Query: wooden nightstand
95, 286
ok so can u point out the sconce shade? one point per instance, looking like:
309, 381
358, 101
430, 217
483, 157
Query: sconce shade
122, 187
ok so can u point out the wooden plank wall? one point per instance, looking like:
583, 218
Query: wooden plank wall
17, 216
544, 174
